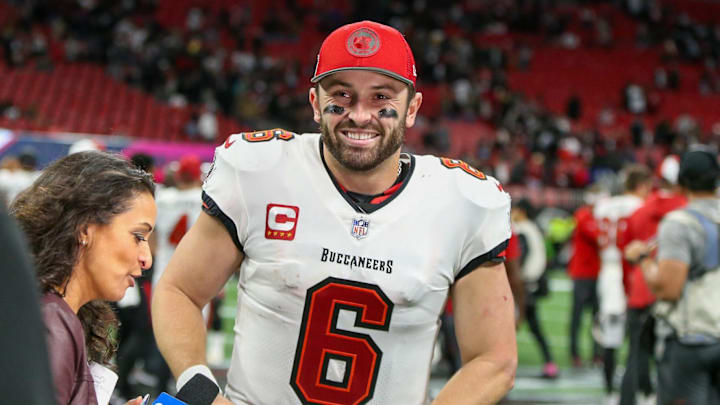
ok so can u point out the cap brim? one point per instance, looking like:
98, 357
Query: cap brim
372, 69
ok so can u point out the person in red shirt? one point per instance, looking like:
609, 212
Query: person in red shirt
583, 268
642, 225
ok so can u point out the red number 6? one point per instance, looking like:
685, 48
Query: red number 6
321, 342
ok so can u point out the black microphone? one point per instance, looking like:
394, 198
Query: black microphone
199, 390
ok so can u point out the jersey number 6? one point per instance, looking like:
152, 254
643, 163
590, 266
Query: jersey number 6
323, 350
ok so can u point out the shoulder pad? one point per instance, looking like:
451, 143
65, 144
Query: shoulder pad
474, 185
253, 151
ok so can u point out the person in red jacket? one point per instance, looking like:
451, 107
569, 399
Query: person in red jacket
583, 268
642, 225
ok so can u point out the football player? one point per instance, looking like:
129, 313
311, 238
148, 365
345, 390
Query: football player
348, 250
611, 215
642, 226
178, 209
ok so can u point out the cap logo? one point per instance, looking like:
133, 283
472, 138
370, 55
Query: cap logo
363, 42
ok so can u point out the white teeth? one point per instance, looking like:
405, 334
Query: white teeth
359, 136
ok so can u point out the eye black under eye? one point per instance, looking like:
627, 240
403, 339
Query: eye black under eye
334, 109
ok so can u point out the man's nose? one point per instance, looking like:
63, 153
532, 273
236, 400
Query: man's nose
360, 114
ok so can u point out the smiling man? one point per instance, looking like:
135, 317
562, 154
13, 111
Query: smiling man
348, 250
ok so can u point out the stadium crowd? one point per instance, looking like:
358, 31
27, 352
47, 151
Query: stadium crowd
221, 60
218, 60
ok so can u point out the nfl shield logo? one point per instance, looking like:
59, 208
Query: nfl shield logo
360, 228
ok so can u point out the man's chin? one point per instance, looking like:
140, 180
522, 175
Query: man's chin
359, 165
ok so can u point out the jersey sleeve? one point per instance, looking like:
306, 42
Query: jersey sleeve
222, 193
490, 232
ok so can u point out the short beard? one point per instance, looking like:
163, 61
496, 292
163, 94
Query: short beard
389, 144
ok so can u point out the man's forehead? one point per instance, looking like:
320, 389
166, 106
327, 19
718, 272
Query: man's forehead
362, 79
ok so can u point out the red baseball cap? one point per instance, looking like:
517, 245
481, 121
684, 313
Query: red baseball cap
189, 168
366, 45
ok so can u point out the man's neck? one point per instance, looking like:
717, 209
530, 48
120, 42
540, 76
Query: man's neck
700, 195
641, 194
371, 182
186, 185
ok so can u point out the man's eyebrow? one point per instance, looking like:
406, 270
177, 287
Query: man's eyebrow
332, 82
386, 87
147, 225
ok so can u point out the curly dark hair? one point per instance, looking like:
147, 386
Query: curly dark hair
73, 192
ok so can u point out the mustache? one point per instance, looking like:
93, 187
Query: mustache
350, 124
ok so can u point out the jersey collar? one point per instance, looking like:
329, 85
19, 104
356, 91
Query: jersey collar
366, 204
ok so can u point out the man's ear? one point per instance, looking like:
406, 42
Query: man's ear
413, 108
315, 103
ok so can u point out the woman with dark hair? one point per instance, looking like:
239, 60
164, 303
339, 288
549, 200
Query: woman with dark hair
87, 219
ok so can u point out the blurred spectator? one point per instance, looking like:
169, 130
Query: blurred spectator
642, 225
16, 174
436, 138
611, 215
685, 279
86, 144
634, 99
207, 126
533, 262
583, 268
144, 162
573, 109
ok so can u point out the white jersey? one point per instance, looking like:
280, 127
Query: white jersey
336, 305
611, 215
177, 211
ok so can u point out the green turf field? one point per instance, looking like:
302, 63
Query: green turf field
554, 311
575, 385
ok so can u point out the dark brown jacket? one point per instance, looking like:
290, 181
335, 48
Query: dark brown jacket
68, 359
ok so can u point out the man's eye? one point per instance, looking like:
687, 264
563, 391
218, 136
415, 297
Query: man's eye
382, 97
140, 237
